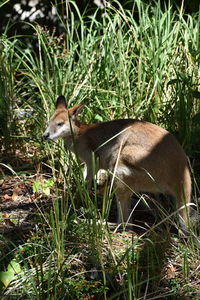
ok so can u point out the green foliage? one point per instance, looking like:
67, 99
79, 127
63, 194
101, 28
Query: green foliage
119, 67
8, 276
43, 186
7, 87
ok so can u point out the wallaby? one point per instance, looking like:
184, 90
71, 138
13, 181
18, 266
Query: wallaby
142, 156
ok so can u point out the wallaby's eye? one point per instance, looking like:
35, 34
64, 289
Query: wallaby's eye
60, 124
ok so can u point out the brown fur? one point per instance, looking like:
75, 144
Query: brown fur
143, 156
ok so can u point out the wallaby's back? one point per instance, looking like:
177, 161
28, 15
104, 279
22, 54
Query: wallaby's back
146, 157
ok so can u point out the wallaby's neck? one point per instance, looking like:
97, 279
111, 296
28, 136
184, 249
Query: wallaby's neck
82, 129
78, 129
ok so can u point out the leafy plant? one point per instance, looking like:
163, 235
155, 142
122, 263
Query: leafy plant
6, 277
43, 186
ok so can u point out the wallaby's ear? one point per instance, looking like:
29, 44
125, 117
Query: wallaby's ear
74, 111
61, 102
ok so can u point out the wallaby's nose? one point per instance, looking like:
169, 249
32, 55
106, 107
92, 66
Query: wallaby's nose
46, 135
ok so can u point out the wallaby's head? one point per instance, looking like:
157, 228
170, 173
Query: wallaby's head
63, 123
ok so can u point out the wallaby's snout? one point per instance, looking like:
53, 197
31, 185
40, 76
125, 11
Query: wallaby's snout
46, 135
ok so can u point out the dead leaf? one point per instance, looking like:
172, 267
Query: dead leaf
171, 272
7, 197
7, 220
17, 191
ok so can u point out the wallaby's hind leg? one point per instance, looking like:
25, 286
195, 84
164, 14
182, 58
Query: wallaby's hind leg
123, 197
183, 196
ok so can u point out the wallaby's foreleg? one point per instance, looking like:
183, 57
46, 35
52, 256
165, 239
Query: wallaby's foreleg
123, 197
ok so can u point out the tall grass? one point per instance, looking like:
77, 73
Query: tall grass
8, 89
146, 68
142, 64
